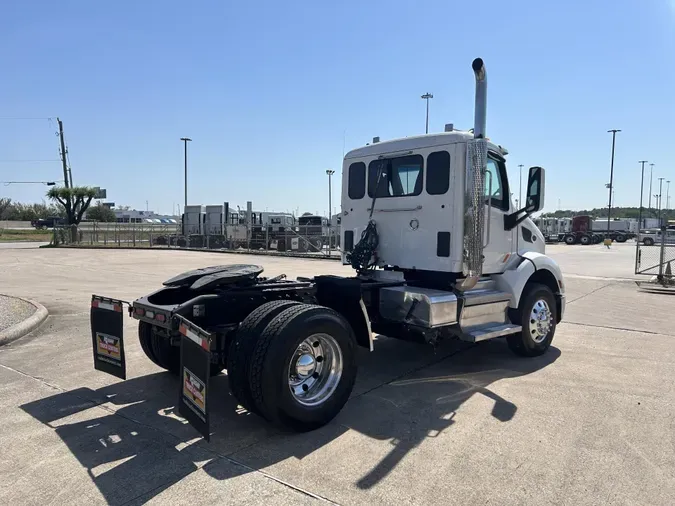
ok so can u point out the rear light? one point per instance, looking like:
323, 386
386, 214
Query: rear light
139, 311
150, 314
160, 317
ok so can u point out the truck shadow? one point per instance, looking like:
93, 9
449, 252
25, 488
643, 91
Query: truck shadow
133, 445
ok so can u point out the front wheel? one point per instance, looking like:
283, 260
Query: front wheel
303, 367
537, 315
649, 242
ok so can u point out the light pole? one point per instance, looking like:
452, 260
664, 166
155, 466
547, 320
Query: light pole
660, 193
330, 172
185, 141
520, 183
426, 97
651, 174
611, 180
642, 190
667, 195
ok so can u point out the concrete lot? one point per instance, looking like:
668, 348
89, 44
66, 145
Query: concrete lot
591, 422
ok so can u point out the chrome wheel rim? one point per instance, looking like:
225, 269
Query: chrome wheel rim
315, 369
540, 321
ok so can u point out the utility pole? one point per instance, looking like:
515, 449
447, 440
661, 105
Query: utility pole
651, 174
185, 141
660, 193
63, 154
642, 190
426, 97
330, 217
611, 181
520, 183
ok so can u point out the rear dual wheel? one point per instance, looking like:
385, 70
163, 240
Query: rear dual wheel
160, 351
299, 370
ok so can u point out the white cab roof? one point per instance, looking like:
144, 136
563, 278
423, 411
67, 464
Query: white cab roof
414, 143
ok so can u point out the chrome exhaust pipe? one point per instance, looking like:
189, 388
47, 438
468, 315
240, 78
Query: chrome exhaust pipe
474, 196
480, 107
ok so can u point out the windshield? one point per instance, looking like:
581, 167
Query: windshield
309, 221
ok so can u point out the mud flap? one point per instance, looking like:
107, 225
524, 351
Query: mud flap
107, 337
195, 371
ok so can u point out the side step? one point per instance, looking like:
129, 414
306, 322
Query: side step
485, 333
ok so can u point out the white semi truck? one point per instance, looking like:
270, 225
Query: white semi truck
438, 252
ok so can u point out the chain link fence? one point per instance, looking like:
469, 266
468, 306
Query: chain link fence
655, 254
306, 240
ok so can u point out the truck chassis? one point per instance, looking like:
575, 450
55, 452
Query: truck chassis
289, 346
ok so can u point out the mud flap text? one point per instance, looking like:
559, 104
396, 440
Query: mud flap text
195, 371
107, 336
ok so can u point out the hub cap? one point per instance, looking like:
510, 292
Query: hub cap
315, 369
540, 321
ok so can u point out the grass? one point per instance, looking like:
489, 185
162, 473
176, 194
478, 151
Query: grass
25, 235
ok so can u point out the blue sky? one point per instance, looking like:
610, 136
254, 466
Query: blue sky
269, 90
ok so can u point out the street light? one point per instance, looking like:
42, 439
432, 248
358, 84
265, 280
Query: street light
611, 180
185, 141
651, 174
426, 97
668, 195
660, 193
642, 190
330, 172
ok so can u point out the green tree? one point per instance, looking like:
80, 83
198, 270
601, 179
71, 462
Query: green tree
101, 213
74, 201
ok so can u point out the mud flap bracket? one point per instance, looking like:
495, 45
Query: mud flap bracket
195, 371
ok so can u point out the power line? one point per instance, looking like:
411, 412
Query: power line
27, 161
29, 119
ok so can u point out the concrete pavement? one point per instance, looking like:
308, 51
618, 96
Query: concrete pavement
588, 423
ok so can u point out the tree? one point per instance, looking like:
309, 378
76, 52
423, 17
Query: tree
101, 213
75, 202
5, 205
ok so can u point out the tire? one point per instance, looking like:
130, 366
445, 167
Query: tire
158, 349
585, 240
530, 342
242, 346
308, 407
145, 337
620, 238
648, 241
570, 239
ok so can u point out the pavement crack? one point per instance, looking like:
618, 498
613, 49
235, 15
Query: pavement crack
36, 378
589, 293
609, 327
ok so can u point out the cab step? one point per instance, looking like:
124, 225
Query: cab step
485, 333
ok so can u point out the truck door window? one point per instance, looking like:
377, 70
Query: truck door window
401, 176
356, 185
496, 193
438, 173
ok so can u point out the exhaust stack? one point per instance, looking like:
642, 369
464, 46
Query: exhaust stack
474, 196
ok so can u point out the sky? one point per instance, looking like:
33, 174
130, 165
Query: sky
273, 92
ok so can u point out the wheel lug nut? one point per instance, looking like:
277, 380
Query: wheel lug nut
315, 375
319, 359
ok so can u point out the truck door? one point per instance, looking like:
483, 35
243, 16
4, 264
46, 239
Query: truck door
498, 203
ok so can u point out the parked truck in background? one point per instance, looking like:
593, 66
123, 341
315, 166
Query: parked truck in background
586, 230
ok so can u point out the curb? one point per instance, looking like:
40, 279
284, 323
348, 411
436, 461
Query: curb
204, 250
26, 326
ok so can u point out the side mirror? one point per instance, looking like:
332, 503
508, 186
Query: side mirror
535, 190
